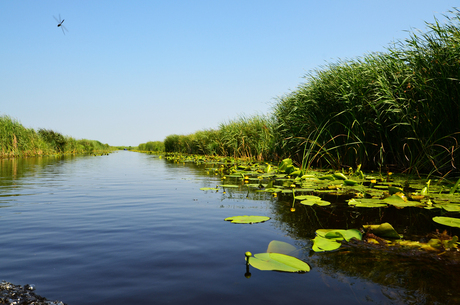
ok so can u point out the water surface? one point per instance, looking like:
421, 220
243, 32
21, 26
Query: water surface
130, 228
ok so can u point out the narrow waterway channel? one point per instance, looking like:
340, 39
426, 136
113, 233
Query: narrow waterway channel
131, 228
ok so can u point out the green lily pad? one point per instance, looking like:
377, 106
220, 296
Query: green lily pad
315, 201
247, 219
450, 207
228, 185
447, 221
277, 262
398, 201
330, 239
339, 234
276, 246
209, 189
367, 203
321, 244
307, 197
384, 230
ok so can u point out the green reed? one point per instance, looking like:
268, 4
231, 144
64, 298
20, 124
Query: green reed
17, 141
157, 146
395, 109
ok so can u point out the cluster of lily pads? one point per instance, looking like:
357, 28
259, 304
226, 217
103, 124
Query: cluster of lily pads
350, 186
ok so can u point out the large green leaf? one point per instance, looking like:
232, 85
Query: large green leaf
367, 203
276, 246
447, 221
339, 234
321, 244
329, 239
315, 201
384, 230
277, 262
247, 219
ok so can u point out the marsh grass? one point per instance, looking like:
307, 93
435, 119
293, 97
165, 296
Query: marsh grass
396, 109
245, 137
18, 141
156, 146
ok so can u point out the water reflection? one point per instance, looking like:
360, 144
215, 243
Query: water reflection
401, 276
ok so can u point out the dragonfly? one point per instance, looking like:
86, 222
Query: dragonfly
60, 23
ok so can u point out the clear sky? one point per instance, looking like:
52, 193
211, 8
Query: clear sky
128, 72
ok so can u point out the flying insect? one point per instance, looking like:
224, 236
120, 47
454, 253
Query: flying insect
60, 24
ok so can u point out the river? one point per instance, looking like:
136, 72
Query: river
132, 228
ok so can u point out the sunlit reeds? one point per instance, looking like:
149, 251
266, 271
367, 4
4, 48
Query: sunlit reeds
18, 141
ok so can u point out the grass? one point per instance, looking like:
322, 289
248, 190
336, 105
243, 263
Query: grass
18, 141
391, 111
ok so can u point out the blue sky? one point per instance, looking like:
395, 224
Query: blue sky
128, 72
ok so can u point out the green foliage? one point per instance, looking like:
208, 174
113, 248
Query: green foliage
156, 146
277, 262
16, 140
54, 139
247, 219
246, 137
395, 108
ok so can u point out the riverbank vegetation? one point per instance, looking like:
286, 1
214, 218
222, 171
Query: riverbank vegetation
392, 111
18, 141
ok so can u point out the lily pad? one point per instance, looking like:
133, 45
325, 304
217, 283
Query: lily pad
276, 246
307, 197
384, 230
209, 189
367, 203
247, 219
330, 239
447, 221
277, 262
312, 202
228, 185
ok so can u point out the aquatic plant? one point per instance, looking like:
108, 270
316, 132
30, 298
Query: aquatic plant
16, 141
384, 110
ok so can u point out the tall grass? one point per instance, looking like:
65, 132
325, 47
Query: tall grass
395, 109
17, 141
245, 137
156, 146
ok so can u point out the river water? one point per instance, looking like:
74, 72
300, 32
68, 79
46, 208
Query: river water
131, 228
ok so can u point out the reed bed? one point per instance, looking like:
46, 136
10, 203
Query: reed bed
157, 146
397, 110
245, 137
18, 141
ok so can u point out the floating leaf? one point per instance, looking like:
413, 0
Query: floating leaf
329, 239
276, 246
339, 234
247, 219
450, 207
384, 230
321, 244
277, 262
307, 197
447, 221
228, 185
366, 203
208, 189
315, 201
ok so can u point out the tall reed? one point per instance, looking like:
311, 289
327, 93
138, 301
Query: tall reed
398, 109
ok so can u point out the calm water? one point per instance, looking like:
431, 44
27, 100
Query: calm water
129, 228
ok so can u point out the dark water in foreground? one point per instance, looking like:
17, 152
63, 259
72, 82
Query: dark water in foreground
132, 229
